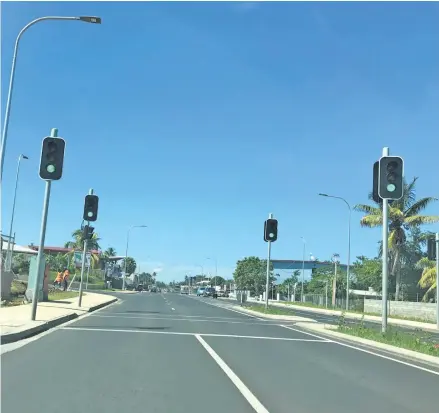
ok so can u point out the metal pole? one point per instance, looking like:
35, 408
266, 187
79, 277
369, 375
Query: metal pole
84, 252
348, 270
88, 273
84, 257
40, 271
326, 294
385, 258
437, 280
303, 268
270, 216
126, 260
11, 83
8, 254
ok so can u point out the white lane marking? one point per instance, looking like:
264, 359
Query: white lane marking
201, 320
300, 331
405, 363
6, 348
229, 309
173, 309
178, 333
243, 389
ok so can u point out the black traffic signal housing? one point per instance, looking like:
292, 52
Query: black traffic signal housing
431, 249
270, 230
52, 158
391, 177
88, 232
91, 208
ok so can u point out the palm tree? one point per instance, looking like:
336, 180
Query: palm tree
428, 277
109, 252
78, 244
404, 214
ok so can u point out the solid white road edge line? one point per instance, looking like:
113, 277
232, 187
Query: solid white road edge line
243, 389
178, 333
405, 363
228, 309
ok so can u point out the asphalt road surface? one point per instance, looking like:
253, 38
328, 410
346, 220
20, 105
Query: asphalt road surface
173, 353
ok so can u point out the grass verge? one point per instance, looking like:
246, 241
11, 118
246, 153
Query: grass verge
60, 295
420, 341
269, 310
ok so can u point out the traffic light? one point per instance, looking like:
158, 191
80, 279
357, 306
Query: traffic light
88, 232
431, 249
270, 230
52, 158
391, 177
376, 174
91, 208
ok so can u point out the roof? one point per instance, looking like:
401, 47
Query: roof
59, 249
18, 248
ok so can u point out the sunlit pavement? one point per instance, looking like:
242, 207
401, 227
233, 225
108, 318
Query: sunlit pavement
175, 353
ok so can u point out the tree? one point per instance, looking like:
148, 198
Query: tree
367, 273
21, 264
403, 215
109, 252
428, 278
250, 274
217, 280
78, 244
130, 265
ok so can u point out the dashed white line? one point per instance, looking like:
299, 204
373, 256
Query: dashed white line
244, 390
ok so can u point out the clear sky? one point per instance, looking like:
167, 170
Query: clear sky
199, 119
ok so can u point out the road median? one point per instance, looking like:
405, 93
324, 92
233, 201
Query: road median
16, 325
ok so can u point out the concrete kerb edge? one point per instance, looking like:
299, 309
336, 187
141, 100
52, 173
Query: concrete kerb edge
279, 317
30, 332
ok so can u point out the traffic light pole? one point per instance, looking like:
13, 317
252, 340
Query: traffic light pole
270, 216
40, 272
385, 265
84, 253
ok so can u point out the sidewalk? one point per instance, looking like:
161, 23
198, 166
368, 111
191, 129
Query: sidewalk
15, 323
355, 316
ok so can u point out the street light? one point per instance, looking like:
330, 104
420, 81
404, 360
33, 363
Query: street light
126, 251
9, 255
86, 19
348, 270
303, 268
216, 267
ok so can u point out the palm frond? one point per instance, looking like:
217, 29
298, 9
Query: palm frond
417, 220
371, 221
395, 214
419, 206
409, 196
367, 209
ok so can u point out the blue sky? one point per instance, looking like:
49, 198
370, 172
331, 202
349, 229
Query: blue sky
199, 119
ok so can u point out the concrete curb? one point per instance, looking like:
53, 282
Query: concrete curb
327, 329
33, 331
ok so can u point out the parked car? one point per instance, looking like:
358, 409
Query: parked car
210, 292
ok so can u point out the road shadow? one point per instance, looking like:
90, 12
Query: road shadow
60, 302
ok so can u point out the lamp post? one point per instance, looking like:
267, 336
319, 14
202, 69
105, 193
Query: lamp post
126, 252
86, 19
216, 267
303, 268
9, 249
348, 269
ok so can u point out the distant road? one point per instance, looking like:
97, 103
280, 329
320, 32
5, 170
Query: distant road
173, 353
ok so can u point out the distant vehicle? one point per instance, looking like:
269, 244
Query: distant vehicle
139, 287
210, 292
200, 291
184, 289
153, 289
